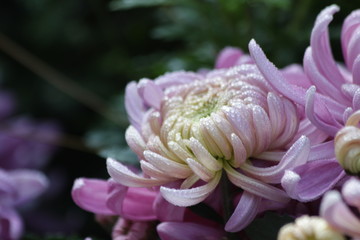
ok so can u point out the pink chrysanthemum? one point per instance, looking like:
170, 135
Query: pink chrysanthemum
332, 96
190, 128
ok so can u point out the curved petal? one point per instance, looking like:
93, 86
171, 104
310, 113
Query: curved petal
151, 93
123, 175
356, 70
255, 186
330, 128
298, 154
332, 207
192, 196
11, 225
188, 231
274, 76
304, 182
323, 84
351, 192
351, 23
244, 213
134, 105
320, 45
91, 195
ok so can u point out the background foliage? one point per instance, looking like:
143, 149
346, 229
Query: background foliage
101, 45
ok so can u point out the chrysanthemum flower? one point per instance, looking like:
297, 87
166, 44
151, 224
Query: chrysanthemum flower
309, 228
192, 128
336, 208
333, 96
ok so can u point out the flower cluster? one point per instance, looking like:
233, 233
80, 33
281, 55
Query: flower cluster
239, 140
20, 158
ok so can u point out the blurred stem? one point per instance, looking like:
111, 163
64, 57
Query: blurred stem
227, 203
55, 78
66, 141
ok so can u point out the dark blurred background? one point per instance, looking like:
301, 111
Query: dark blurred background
101, 45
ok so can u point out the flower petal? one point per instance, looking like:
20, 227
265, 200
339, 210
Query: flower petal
351, 192
320, 44
351, 23
244, 213
91, 195
331, 127
11, 224
296, 155
304, 182
121, 174
166, 211
192, 196
188, 231
228, 57
29, 184
255, 186
134, 105
332, 207
135, 204
274, 76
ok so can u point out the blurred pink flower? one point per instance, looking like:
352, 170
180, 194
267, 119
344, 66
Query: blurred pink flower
17, 187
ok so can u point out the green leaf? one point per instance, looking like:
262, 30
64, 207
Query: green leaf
267, 227
124, 155
129, 4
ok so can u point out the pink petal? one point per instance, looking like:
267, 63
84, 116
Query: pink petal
192, 196
188, 231
351, 23
295, 75
324, 85
255, 186
353, 48
308, 129
172, 168
332, 207
121, 174
134, 105
11, 224
245, 212
135, 204
174, 79
274, 76
322, 151
331, 127
296, 155
228, 57
351, 192
304, 182
166, 211
29, 184
356, 71
91, 195
321, 47
151, 93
